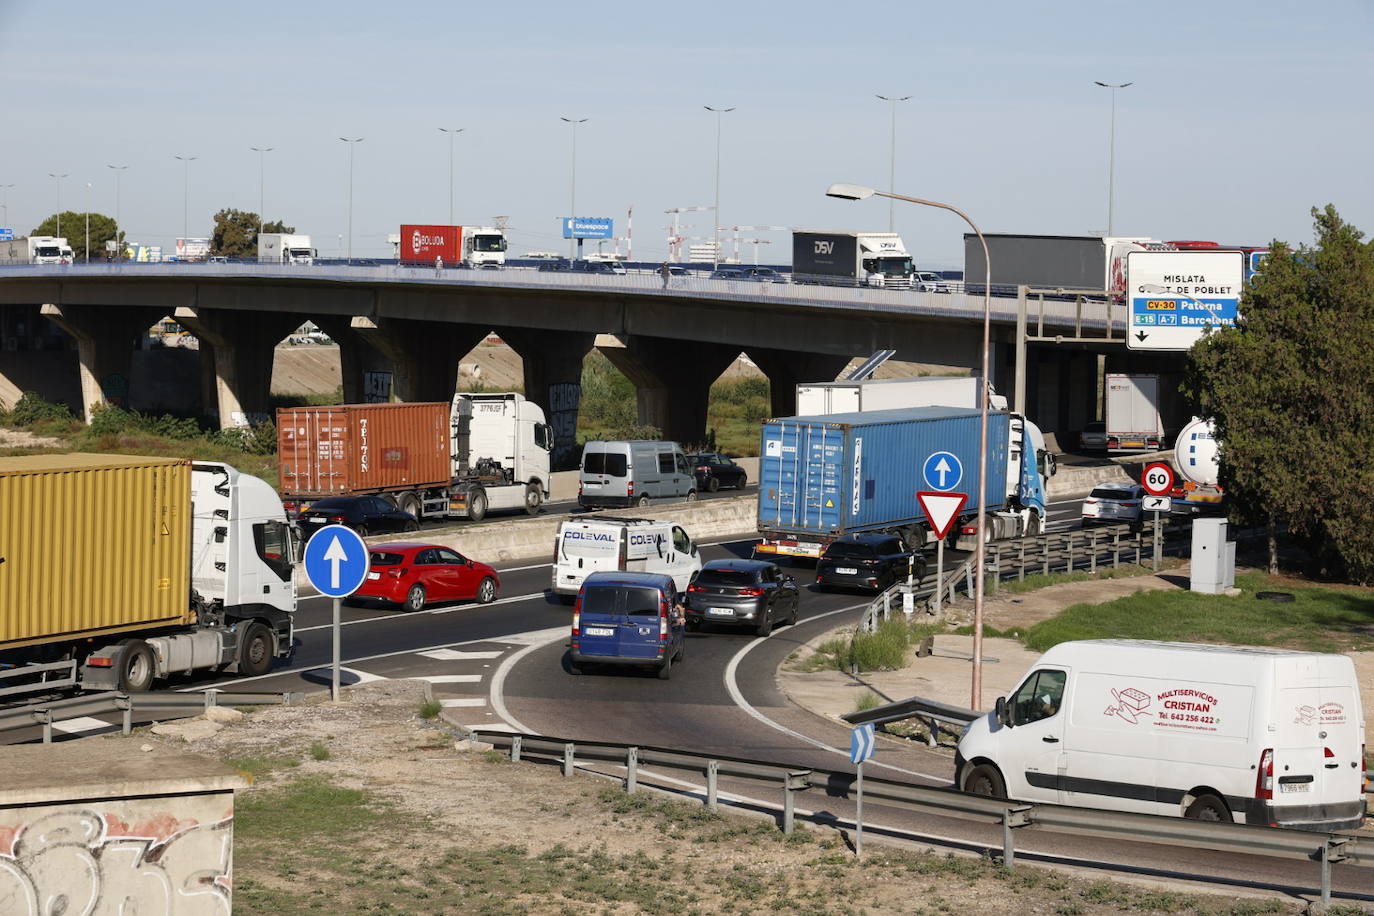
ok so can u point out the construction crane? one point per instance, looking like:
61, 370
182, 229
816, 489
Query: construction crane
756, 242
675, 238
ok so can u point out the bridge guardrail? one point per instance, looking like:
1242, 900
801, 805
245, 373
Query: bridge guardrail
48, 712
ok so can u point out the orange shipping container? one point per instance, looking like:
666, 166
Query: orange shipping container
344, 449
92, 545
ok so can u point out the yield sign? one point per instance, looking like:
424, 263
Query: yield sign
941, 510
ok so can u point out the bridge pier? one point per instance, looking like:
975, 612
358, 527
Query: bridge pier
105, 342
787, 368
236, 352
423, 354
553, 380
672, 380
368, 376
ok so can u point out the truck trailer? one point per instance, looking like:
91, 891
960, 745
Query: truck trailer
282, 248
851, 259
453, 246
1079, 262
432, 459
1134, 421
36, 249
117, 571
889, 393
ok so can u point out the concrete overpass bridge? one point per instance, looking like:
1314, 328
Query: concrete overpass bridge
402, 330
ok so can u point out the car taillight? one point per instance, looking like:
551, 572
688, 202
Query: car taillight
1364, 768
753, 591
1264, 779
969, 529
702, 467
337, 519
696, 588
629, 488
662, 622
397, 573
1129, 505
1089, 502
577, 616
1112, 443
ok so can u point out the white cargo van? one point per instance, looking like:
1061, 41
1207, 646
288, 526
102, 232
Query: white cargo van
1222, 733
629, 544
624, 474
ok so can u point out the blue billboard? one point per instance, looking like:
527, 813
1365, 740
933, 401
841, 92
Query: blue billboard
6, 235
588, 227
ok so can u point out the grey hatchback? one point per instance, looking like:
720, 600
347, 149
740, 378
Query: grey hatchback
750, 592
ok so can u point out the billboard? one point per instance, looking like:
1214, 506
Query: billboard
1176, 296
588, 227
193, 249
422, 244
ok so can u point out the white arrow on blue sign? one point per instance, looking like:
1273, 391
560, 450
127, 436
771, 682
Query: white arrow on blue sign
336, 561
942, 471
861, 742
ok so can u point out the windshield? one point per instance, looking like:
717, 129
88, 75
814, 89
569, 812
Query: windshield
488, 243
893, 267
48, 251
844, 550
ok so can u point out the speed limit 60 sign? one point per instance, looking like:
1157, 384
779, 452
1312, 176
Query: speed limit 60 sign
1158, 479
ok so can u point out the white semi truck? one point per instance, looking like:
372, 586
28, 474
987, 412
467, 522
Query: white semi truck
36, 249
1134, 422
851, 259
281, 248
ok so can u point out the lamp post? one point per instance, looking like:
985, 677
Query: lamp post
572, 203
59, 200
119, 244
859, 192
262, 152
88, 222
186, 193
1111, 154
452, 132
5, 201
715, 217
351, 144
892, 169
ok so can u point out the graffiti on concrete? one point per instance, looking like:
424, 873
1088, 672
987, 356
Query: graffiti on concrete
80, 862
564, 399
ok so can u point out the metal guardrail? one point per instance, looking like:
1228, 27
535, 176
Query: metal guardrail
930, 713
1324, 848
48, 712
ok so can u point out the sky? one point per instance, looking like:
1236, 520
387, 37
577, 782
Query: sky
1240, 118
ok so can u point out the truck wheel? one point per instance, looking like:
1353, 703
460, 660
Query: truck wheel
712, 484
986, 781
1209, 808
415, 598
136, 666
409, 503
477, 505
534, 498
255, 653
1034, 526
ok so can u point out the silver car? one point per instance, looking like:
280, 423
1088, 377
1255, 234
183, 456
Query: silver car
1113, 504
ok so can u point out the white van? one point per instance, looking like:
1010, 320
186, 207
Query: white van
629, 544
1220, 733
623, 474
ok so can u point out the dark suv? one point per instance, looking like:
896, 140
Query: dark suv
869, 561
714, 471
754, 593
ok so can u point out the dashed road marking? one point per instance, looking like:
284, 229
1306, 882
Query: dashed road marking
447, 678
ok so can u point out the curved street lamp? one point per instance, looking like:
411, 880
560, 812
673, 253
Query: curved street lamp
572, 204
59, 200
119, 245
892, 167
1111, 154
352, 142
452, 132
859, 192
715, 217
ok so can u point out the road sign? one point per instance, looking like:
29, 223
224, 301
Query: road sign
588, 227
1157, 478
1156, 504
941, 510
6, 235
942, 471
336, 561
1177, 296
861, 742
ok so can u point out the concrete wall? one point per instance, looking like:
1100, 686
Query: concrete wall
98, 827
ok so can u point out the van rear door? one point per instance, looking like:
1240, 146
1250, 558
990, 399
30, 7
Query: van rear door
584, 549
638, 631
1317, 749
602, 612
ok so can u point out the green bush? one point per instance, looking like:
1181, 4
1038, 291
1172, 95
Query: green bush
31, 409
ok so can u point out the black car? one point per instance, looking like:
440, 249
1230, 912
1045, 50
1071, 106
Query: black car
587, 267
868, 561
749, 274
714, 471
364, 514
754, 593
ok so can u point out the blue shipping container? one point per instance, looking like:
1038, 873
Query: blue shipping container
839, 473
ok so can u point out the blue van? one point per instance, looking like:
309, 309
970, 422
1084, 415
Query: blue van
626, 618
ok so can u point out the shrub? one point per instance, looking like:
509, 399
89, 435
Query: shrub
31, 409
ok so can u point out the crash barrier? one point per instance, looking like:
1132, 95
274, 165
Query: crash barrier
1325, 848
930, 713
47, 712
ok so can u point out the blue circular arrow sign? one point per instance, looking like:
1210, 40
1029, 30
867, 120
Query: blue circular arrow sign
336, 561
942, 471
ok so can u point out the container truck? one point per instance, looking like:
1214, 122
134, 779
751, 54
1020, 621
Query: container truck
1134, 422
851, 259
117, 571
1086, 262
821, 477
455, 246
885, 394
36, 249
432, 459
281, 248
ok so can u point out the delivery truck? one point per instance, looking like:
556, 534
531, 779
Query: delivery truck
117, 571
1132, 407
36, 249
821, 477
431, 459
453, 246
281, 248
851, 259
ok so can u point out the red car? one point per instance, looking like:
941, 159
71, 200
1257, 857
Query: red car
413, 575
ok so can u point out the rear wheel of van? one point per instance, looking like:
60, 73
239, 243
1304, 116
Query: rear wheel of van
1209, 808
666, 671
691, 496
986, 781
642, 501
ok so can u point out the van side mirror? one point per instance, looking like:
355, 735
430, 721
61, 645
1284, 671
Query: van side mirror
1003, 712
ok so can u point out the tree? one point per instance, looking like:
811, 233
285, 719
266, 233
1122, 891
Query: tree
74, 231
1289, 388
236, 233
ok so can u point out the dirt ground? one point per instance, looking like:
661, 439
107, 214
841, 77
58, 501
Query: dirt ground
18, 438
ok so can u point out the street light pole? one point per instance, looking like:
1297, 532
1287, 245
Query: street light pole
186, 194
452, 132
119, 244
351, 144
1111, 156
892, 170
5, 202
715, 217
859, 192
262, 151
88, 222
572, 204
59, 178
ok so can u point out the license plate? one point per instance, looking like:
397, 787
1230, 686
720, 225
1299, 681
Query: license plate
846, 570
721, 611
374, 575
1295, 786
600, 631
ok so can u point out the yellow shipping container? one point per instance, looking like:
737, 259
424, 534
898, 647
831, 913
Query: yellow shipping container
92, 545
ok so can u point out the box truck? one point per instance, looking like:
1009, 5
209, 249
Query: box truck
36, 249
821, 477
1131, 405
886, 394
1087, 262
116, 571
431, 459
851, 259
454, 246
1217, 733
281, 248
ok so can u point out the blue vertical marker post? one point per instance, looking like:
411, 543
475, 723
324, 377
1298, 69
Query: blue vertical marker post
861, 742
336, 564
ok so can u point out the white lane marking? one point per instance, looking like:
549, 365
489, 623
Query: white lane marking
464, 607
454, 655
744, 704
535, 637
522, 568
326, 673
80, 724
448, 678
498, 680
463, 701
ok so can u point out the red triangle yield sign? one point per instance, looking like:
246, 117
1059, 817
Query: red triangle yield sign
941, 509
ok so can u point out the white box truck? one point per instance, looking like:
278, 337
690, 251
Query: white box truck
1216, 733
1131, 407
36, 249
280, 248
890, 393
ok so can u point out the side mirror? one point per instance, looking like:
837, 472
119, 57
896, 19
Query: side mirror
694, 550
1003, 712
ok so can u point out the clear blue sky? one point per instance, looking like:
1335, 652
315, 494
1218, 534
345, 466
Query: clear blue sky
1242, 116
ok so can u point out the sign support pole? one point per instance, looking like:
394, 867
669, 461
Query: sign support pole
939, 575
334, 668
1158, 544
859, 817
